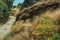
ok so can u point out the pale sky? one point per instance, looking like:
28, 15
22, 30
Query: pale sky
18, 1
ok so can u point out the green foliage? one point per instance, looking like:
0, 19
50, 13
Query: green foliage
19, 5
56, 37
3, 9
5, 6
9, 3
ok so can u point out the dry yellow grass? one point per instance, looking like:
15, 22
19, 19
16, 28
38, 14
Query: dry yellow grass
18, 26
53, 15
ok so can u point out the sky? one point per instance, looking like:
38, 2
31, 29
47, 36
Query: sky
17, 1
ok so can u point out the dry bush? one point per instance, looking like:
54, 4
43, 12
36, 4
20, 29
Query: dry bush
45, 28
55, 15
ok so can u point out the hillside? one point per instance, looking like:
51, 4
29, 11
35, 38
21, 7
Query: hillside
40, 21
35, 20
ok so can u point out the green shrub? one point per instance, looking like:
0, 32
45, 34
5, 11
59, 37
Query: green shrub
56, 37
3, 11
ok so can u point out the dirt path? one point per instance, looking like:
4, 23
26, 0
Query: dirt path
6, 27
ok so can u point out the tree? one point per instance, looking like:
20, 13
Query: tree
19, 5
3, 11
9, 3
